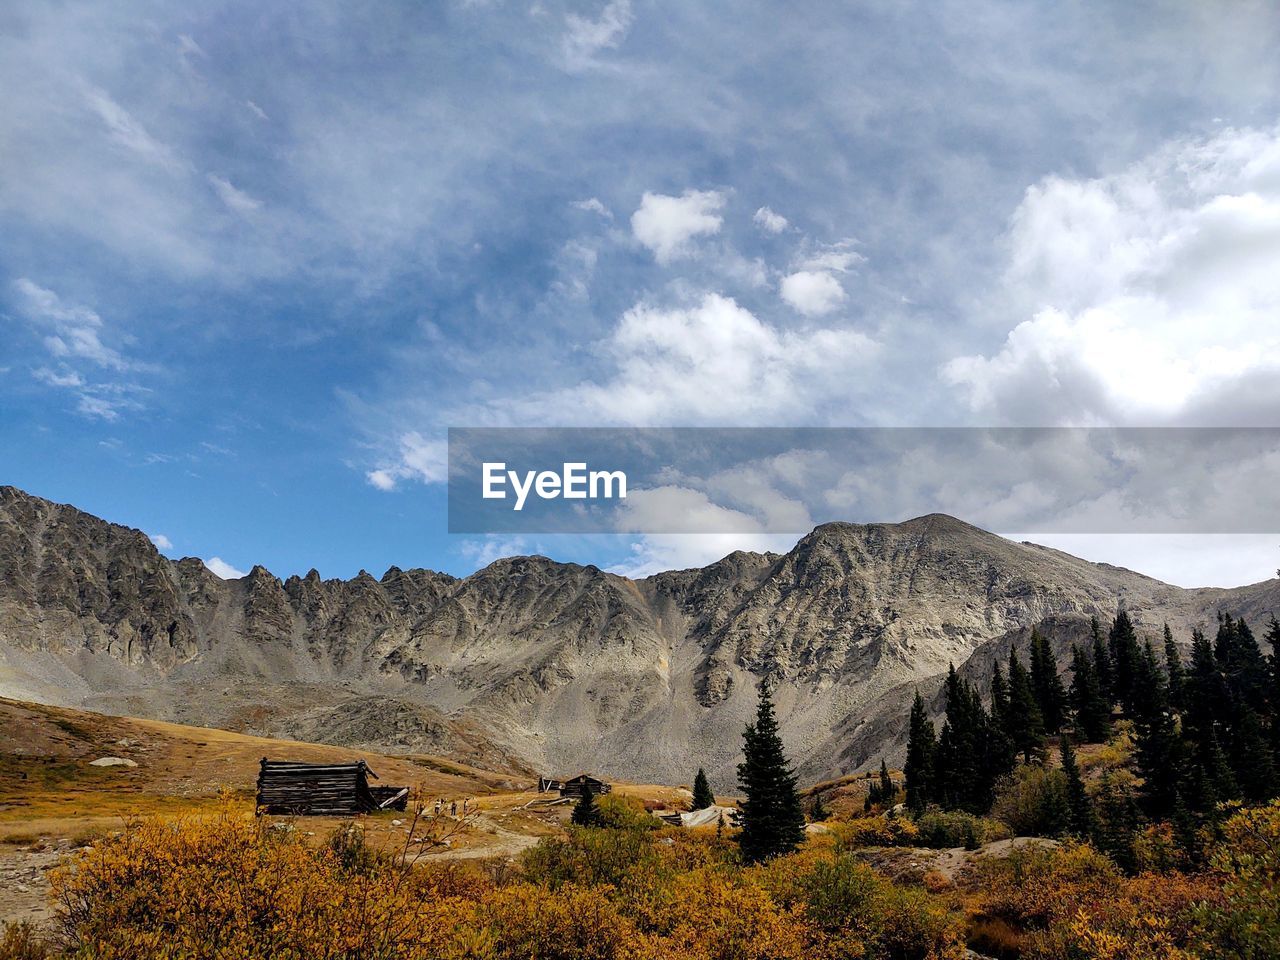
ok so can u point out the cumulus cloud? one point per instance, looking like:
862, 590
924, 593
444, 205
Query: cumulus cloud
768, 221
418, 458
812, 292
585, 37
1152, 293
220, 568
161, 541
666, 225
713, 362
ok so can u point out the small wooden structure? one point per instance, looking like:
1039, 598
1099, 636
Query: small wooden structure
547, 785
323, 789
584, 783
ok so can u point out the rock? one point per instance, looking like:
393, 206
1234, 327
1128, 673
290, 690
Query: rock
544, 667
113, 762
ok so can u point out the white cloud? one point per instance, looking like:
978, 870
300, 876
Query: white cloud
584, 37
234, 198
67, 379
129, 133
485, 551
666, 225
256, 110
1152, 294
714, 362
654, 508
768, 221
813, 293
73, 330
418, 458
187, 47
95, 372
1185, 560
593, 205
161, 541
220, 568
838, 257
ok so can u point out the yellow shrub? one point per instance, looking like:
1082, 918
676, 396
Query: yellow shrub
232, 887
875, 832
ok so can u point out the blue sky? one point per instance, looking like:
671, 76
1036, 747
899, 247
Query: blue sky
253, 261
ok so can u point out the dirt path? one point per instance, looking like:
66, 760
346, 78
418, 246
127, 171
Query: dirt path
24, 882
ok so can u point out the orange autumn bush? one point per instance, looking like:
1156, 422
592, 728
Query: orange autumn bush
233, 886
1073, 903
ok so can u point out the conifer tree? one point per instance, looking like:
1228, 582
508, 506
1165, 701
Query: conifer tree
1118, 820
1092, 712
922, 746
1251, 757
1157, 752
1025, 725
999, 696
771, 816
1102, 662
888, 790
702, 795
1273, 637
1082, 822
1173, 670
1122, 645
1050, 696
585, 811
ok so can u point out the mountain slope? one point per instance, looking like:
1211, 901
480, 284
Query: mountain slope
546, 665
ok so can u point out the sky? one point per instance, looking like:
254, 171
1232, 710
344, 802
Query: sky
256, 259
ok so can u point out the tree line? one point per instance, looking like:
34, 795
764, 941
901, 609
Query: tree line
1204, 733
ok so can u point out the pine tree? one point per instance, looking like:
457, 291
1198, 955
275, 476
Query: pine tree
888, 790
771, 816
1092, 712
1102, 663
702, 795
1050, 696
1158, 754
1025, 728
1273, 637
1118, 820
818, 811
1123, 647
585, 811
1173, 670
1251, 757
922, 747
1082, 822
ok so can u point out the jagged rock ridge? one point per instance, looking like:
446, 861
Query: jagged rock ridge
543, 665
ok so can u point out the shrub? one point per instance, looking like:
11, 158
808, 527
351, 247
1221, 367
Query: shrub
527, 922
875, 832
1073, 903
625, 813
943, 829
859, 913
21, 941
232, 886
1245, 924
1033, 802
589, 857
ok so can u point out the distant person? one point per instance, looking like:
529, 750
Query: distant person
453, 808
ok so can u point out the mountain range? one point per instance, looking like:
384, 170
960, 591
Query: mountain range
532, 665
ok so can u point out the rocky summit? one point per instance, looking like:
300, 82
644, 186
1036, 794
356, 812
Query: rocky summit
534, 665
